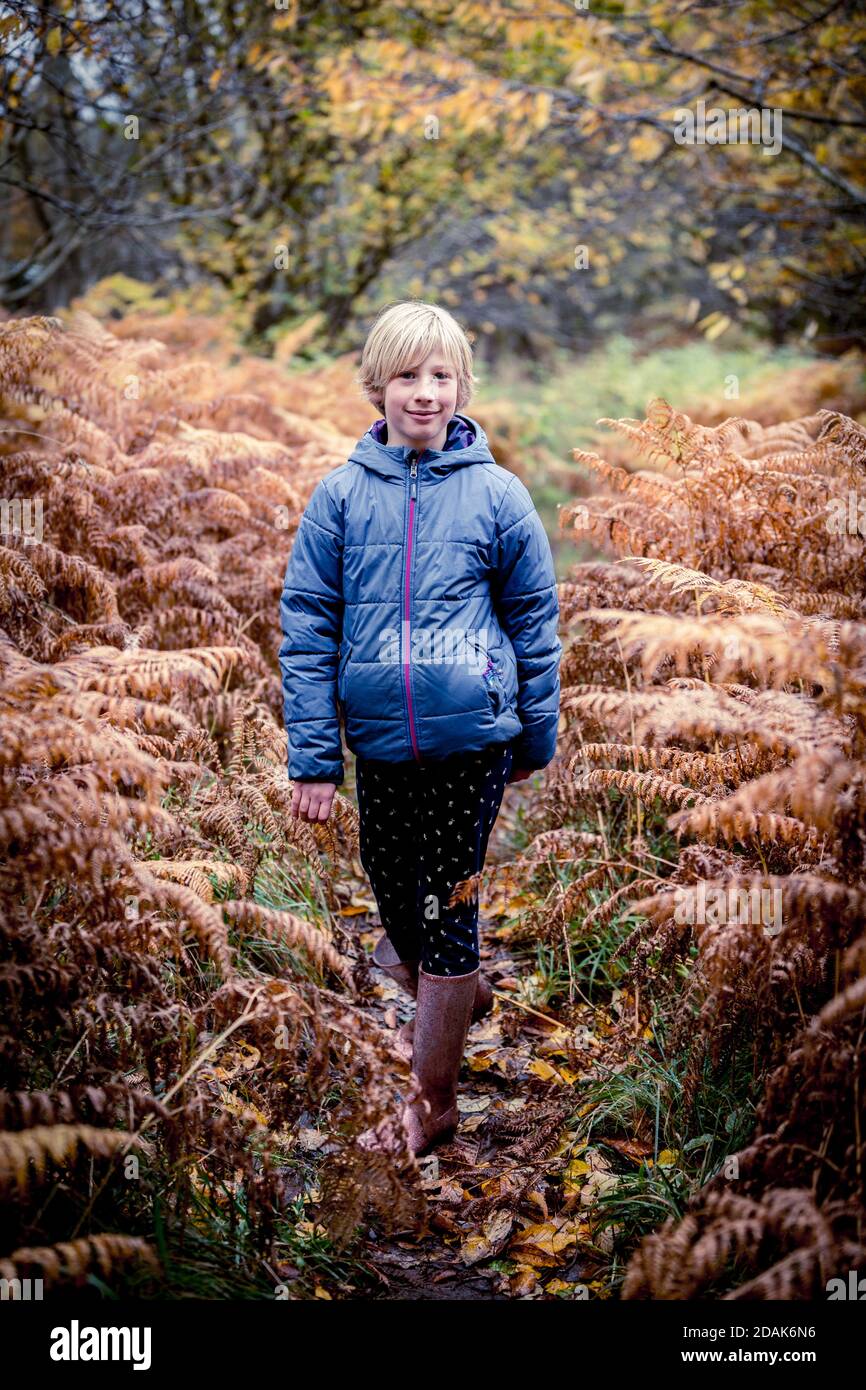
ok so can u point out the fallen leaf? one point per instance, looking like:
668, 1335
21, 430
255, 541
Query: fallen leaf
523, 1282
469, 1105
311, 1139
596, 1185
548, 1073
488, 1060
666, 1158
545, 1243
540, 1201
634, 1149
492, 1238
542, 1069
559, 1286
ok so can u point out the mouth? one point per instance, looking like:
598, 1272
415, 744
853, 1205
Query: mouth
422, 414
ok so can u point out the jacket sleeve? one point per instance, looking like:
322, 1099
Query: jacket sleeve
311, 617
525, 597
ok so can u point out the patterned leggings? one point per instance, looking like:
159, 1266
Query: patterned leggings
424, 827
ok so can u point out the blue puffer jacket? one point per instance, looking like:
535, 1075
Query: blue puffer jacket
420, 605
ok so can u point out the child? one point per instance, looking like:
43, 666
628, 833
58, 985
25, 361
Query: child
420, 608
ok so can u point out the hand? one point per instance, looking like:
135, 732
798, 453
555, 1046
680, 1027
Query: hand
519, 774
312, 800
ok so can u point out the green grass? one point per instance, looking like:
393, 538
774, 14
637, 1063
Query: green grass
559, 408
562, 406
646, 1099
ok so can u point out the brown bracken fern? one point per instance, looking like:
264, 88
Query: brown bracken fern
716, 677
143, 791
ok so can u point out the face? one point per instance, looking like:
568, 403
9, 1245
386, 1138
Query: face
420, 401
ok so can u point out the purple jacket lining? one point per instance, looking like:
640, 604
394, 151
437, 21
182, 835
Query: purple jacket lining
459, 435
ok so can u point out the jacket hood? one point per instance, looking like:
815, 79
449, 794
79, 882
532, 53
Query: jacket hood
390, 460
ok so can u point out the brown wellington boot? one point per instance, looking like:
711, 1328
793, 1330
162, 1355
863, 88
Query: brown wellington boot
442, 1021
483, 1004
405, 972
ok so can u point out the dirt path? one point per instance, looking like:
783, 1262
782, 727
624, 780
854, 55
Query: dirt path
509, 1185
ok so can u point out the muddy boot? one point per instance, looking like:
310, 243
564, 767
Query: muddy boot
443, 1016
483, 1004
405, 972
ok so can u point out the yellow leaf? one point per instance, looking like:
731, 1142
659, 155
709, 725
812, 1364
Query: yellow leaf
560, 1286
544, 1244
214, 79
543, 104
718, 328
543, 1069
54, 40
250, 1056
489, 1061
310, 1228
647, 144
491, 1239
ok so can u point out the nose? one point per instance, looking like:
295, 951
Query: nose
426, 390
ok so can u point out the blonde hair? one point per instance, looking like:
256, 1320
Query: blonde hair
403, 335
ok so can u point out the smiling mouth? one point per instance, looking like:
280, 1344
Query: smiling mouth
423, 414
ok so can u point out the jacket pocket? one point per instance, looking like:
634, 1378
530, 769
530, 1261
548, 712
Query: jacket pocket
491, 677
497, 686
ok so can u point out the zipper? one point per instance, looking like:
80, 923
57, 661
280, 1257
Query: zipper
490, 677
344, 661
413, 495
